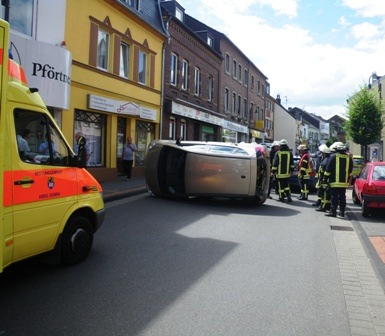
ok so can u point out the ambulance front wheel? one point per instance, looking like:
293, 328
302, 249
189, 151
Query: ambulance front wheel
77, 240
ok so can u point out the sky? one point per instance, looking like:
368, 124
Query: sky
315, 53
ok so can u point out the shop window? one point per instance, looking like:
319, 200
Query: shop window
183, 129
93, 126
145, 133
171, 129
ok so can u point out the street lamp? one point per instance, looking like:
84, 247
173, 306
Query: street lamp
372, 77
375, 77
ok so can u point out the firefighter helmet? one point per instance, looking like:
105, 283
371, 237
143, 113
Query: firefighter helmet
283, 142
324, 149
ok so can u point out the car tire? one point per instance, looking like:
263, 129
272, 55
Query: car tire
77, 240
364, 209
355, 198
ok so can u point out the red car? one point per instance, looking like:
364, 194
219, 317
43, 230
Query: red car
369, 187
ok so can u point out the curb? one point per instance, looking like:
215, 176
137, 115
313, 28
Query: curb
113, 196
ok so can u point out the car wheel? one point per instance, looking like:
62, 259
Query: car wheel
355, 198
77, 240
364, 209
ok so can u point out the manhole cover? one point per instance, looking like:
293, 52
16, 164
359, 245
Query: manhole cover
341, 228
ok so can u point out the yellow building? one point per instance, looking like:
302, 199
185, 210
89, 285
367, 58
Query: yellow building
116, 79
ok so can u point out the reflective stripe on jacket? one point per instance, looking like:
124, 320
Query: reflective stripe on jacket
283, 164
305, 166
338, 170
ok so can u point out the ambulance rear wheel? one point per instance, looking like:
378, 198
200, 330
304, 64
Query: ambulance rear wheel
76, 241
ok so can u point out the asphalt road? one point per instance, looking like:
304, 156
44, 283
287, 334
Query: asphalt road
198, 267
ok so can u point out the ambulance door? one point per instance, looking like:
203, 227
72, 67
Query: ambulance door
44, 185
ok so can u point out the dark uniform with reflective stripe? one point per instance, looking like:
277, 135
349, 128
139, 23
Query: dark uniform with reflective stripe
304, 170
337, 175
283, 166
323, 188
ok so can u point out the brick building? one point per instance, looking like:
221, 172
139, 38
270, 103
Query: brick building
244, 93
191, 82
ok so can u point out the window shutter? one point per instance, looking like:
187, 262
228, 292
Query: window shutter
93, 44
116, 66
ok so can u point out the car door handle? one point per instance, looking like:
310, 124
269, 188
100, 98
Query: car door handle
21, 182
243, 176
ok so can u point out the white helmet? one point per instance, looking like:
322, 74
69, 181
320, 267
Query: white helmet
336, 144
324, 149
275, 143
302, 147
283, 142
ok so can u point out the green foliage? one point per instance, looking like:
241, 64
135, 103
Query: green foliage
365, 113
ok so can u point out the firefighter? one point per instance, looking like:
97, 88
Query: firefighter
274, 149
323, 201
283, 166
305, 168
337, 175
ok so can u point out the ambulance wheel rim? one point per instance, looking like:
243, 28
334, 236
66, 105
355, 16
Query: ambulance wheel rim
80, 241
77, 239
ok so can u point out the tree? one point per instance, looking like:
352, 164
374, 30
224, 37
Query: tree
365, 118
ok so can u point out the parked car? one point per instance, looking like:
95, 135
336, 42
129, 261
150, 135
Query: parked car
293, 181
369, 187
194, 168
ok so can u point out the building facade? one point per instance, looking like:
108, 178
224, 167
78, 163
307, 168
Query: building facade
191, 82
243, 88
42, 52
116, 80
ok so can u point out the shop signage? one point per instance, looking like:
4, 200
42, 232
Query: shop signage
192, 113
47, 68
119, 106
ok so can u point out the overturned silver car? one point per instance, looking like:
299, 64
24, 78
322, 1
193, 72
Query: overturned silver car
195, 168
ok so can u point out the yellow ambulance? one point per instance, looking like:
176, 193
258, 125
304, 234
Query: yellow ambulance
50, 204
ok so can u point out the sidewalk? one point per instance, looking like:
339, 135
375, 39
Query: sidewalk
119, 188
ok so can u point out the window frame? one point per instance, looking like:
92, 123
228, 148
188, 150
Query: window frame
124, 60
210, 88
226, 99
197, 81
227, 63
174, 69
184, 74
99, 61
142, 75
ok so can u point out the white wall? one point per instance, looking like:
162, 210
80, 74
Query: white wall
50, 20
284, 126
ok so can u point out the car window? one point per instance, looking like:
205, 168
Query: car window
378, 173
221, 149
358, 161
240, 151
364, 173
